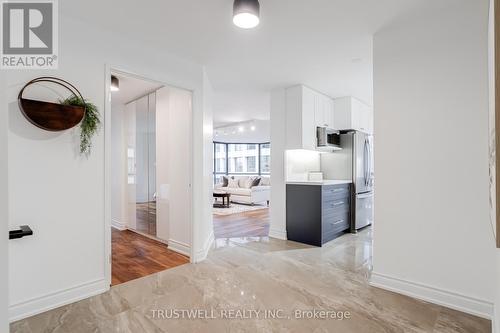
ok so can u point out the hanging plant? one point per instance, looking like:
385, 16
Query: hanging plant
90, 122
64, 115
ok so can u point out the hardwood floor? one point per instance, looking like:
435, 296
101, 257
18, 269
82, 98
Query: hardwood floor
135, 256
247, 224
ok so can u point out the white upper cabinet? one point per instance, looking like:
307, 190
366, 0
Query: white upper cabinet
323, 110
351, 113
306, 109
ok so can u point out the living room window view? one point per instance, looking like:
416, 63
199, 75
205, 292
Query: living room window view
242, 180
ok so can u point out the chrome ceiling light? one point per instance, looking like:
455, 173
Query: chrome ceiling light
246, 13
115, 83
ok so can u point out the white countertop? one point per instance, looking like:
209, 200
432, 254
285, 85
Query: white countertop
320, 183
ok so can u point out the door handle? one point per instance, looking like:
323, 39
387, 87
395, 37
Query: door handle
23, 230
366, 161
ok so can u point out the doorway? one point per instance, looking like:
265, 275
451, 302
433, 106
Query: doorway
150, 176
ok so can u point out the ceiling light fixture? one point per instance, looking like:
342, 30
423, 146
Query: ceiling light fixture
246, 13
115, 83
241, 129
252, 128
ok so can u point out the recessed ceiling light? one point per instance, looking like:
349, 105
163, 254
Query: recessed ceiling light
241, 129
115, 83
252, 128
246, 13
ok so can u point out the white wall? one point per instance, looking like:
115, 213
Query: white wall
432, 235
203, 174
4, 216
62, 195
277, 227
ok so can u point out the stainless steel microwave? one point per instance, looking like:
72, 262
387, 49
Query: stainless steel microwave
327, 137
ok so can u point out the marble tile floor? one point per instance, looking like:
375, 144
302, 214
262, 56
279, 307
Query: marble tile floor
258, 285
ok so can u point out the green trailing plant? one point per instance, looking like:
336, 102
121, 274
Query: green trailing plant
90, 123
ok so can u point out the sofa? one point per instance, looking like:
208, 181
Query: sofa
242, 192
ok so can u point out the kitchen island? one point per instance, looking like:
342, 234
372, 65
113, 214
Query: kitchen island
317, 211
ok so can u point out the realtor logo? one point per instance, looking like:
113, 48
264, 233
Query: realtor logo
29, 34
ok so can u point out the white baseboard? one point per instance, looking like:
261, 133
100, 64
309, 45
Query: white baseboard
278, 233
434, 295
202, 254
118, 225
54, 300
179, 247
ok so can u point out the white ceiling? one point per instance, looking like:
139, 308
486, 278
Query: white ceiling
132, 88
326, 44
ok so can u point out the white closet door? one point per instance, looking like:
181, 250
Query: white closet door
174, 167
180, 167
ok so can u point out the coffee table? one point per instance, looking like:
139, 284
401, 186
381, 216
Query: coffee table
226, 199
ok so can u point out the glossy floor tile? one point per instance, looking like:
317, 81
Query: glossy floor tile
258, 284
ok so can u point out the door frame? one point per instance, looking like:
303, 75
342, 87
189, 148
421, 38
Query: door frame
4, 215
109, 69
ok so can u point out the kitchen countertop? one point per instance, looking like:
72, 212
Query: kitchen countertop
320, 183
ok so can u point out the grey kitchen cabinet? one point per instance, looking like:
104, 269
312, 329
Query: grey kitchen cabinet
317, 214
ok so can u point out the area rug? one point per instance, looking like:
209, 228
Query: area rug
237, 208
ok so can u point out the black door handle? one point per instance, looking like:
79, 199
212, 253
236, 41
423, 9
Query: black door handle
23, 230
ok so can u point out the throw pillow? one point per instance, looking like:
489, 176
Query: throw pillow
243, 181
256, 182
225, 181
248, 181
232, 183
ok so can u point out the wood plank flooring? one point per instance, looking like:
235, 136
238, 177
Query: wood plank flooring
248, 224
135, 256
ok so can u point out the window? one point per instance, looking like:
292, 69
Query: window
220, 157
265, 158
251, 165
241, 159
238, 164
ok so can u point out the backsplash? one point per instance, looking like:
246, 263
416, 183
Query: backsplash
299, 162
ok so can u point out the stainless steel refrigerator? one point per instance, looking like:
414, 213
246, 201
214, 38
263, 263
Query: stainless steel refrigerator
355, 162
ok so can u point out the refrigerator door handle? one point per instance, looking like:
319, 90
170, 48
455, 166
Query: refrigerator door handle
366, 154
364, 195
369, 163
